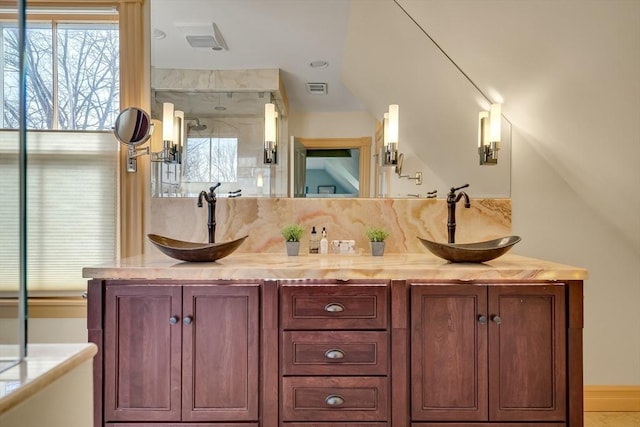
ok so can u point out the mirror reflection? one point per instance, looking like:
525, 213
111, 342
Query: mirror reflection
133, 127
332, 84
223, 143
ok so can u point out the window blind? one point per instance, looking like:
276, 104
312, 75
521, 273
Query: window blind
71, 207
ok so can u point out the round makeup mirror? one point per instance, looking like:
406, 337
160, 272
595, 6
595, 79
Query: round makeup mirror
133, 127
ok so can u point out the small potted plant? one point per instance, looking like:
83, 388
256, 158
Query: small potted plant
377, 236
292, 234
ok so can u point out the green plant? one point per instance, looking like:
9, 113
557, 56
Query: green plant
292, 232
377, 234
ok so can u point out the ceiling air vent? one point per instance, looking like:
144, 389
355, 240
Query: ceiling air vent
203, 35
317, 88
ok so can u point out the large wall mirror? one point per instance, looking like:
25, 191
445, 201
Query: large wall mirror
368, 54
223, 133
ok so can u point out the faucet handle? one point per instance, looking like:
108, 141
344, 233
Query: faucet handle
212, 189
454, 189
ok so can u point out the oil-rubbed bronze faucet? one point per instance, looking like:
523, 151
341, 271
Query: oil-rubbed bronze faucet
452, 199
211, 200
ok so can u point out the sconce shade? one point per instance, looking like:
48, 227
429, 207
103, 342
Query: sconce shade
167, 122
178, 130
269, 122
270, 134
483, 128
495, 117
393, 123
385, 129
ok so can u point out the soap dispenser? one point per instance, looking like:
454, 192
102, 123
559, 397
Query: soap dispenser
324, 243
313, 241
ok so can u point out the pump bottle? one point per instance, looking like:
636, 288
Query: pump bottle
324, 243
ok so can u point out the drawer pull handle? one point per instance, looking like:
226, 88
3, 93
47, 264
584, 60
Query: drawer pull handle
496, 319
334, 400
187, 320
334, 353
334, 308
173, 320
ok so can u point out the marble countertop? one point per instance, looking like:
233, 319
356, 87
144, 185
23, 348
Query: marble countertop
409, 266
44, 364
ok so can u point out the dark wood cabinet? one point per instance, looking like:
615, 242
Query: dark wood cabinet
143, 353
186, 353
334, 352
356, 353
492, 353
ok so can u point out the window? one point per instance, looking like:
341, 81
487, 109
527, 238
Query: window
79, 90
71, 207
72, 102
211, 160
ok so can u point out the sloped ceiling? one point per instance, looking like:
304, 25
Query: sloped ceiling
568, 73
389, 60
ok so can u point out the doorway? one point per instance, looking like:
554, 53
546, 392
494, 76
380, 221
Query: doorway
340, 171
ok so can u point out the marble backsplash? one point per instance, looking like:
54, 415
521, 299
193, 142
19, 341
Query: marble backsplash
345, 219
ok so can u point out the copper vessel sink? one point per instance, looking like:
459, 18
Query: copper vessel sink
194, 252
471, 252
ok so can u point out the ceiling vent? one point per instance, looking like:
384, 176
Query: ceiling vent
203, 35
317, 88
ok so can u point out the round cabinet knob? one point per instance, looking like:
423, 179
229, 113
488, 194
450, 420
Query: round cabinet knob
496, 319
334, 308
334, 400
482, 319
173, 320
334, 353
187, 320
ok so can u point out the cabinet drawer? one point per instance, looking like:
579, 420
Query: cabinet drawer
334, 353
330, 424
334, 307
334, 399
492, 424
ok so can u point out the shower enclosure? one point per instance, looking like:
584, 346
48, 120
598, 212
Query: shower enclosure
13, 308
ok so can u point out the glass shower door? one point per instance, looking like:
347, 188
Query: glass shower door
13, 307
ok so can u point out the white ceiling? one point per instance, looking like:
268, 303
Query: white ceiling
284, 34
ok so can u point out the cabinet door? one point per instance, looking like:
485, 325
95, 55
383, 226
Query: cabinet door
527, 355
220, 353
142, 353
449, 353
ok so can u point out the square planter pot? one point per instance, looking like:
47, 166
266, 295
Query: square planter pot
377, 248
293, 248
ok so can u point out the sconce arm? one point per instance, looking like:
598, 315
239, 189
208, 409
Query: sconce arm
417, 178
133, 152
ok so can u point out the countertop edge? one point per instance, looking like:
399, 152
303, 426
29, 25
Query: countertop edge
387, 267
86, 352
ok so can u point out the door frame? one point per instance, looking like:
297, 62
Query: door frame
362, 143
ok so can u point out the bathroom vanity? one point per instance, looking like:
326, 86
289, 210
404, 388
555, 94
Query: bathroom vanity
330, 340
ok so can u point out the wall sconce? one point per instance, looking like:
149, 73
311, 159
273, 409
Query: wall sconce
390, 135
270, 138
172, 135
178, 134
133, 128
489, 132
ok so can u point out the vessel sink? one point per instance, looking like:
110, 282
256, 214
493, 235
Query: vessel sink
471, 252
194, 252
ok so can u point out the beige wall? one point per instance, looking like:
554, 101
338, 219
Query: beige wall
569, 75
